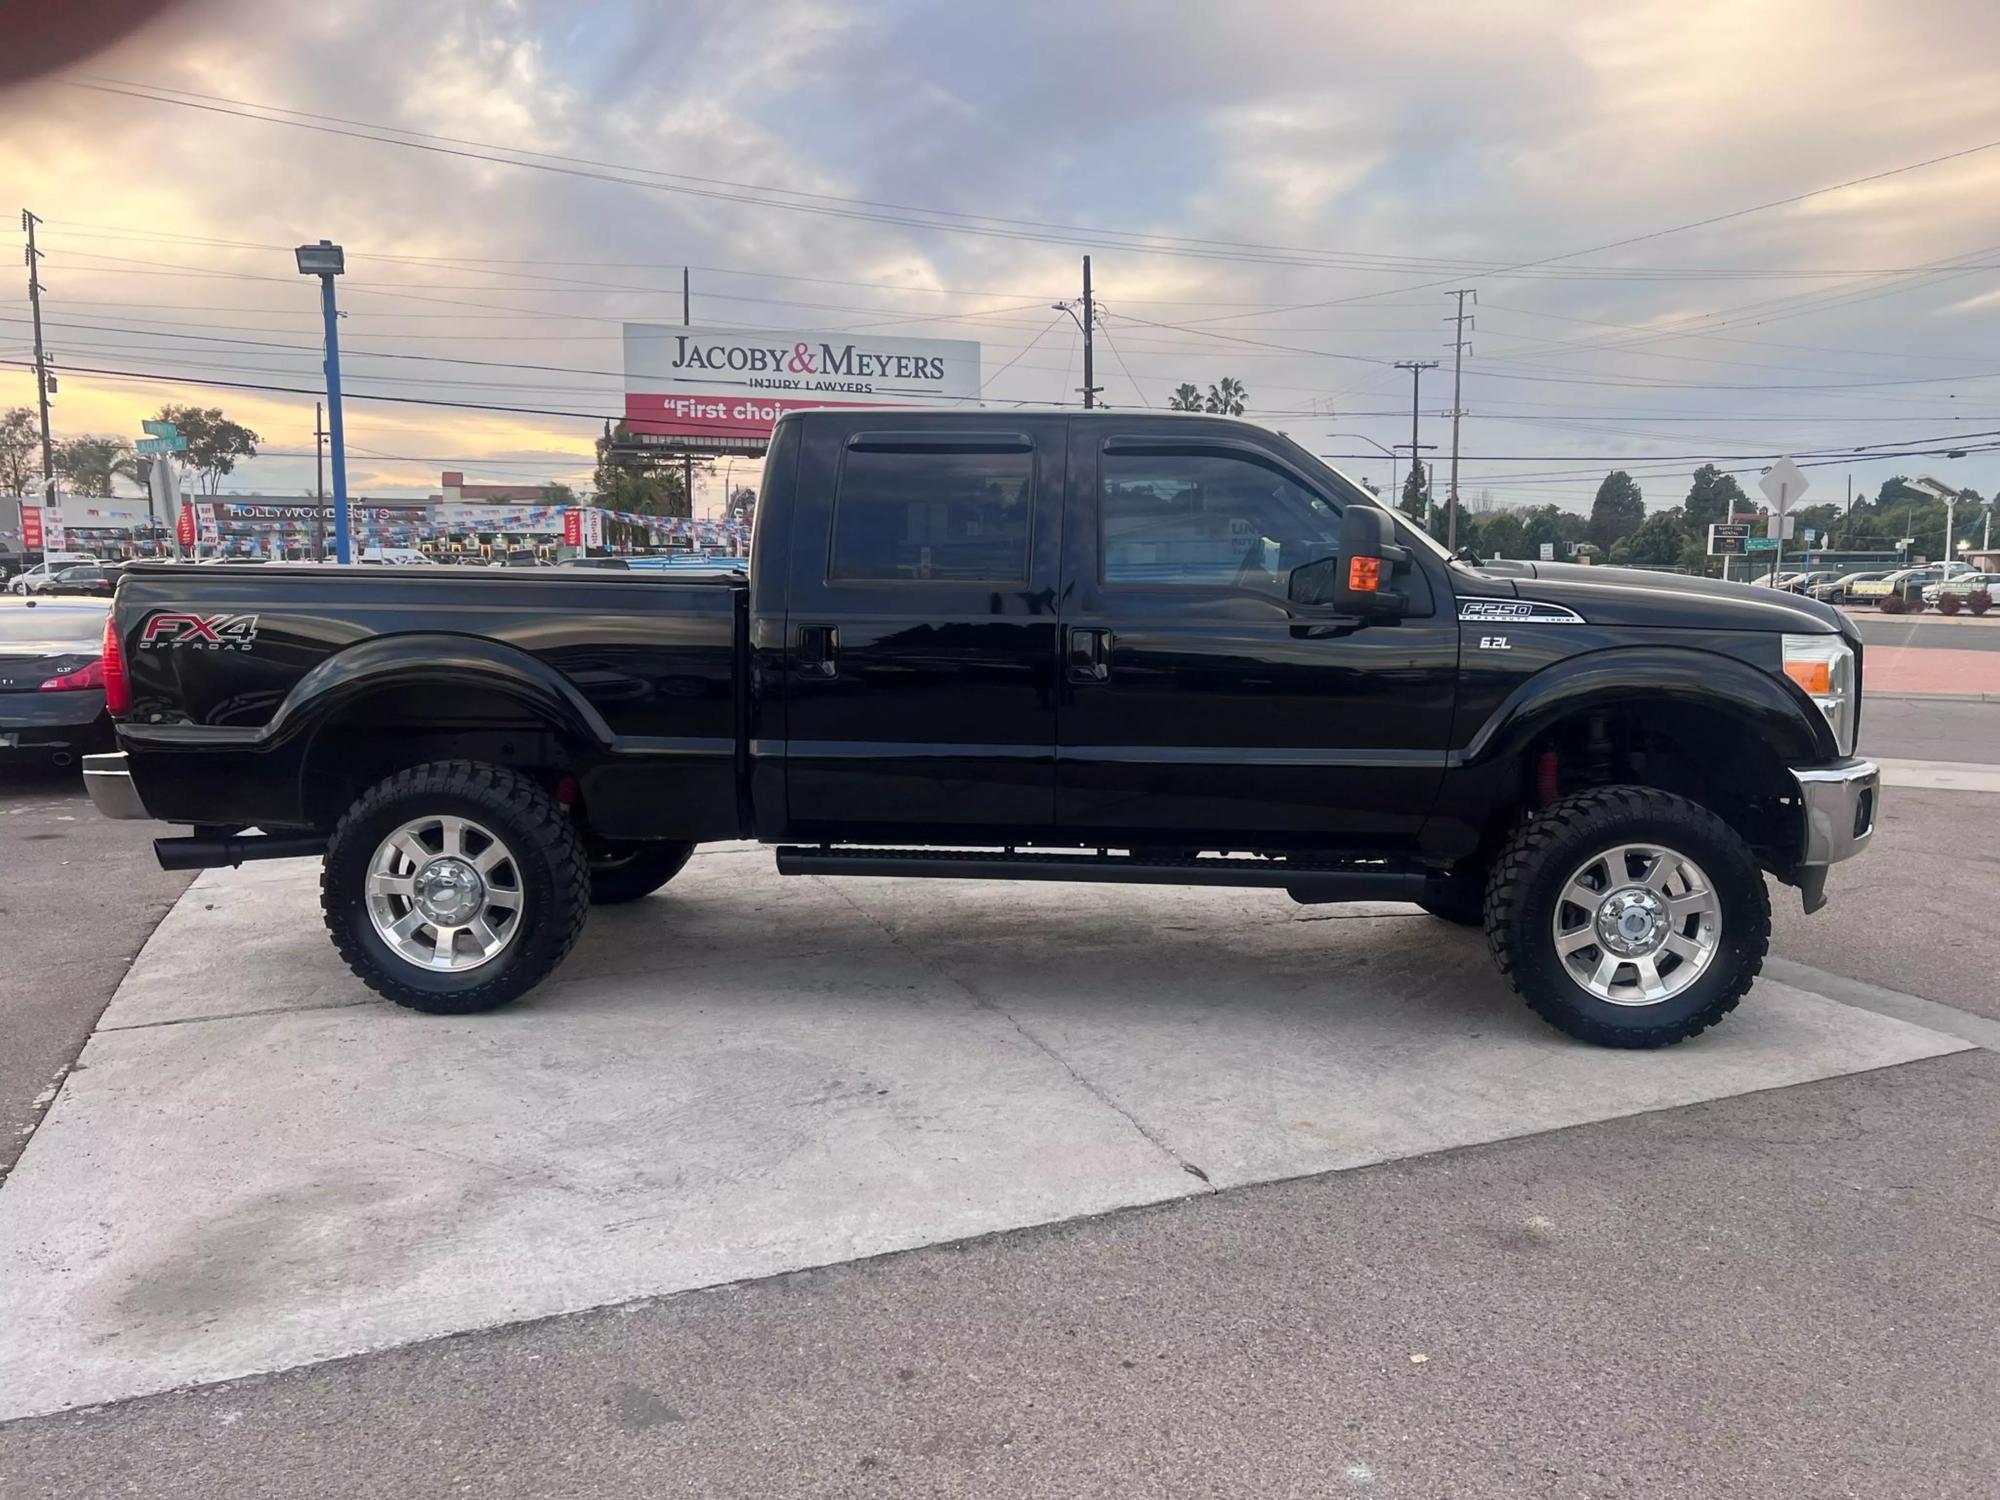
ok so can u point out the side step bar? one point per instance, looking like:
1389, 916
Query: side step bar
1308, 884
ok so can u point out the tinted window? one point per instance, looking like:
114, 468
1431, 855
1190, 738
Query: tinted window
1209, 519
924, 516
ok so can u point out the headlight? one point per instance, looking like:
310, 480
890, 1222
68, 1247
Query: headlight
1824, 666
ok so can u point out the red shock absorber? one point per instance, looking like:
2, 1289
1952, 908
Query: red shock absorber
1545, 778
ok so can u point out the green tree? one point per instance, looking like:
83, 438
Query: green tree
1618, 511
214, 443
1414, 485
1660, 540
623, 481
1503, 536
1227, 398
1711, 498
1186, 397
20, 444
89, 464
554, 493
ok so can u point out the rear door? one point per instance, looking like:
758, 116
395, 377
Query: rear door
920, 677
1201, 707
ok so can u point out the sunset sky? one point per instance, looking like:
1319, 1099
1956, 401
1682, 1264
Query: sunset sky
1282, 193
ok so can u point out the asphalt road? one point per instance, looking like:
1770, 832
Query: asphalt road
79, 894
1893, 630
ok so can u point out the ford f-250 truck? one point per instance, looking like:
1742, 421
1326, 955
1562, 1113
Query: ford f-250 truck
1077, 647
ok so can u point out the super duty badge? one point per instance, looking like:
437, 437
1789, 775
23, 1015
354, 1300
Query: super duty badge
1515, 612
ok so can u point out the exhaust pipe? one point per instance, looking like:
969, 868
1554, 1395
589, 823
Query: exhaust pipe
211, 853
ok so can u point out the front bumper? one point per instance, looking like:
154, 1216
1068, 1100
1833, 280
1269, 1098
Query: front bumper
108, 779
1840, 803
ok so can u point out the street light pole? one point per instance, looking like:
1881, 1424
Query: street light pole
326, 260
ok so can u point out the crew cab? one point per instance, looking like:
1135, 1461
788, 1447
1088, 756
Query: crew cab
1081, 647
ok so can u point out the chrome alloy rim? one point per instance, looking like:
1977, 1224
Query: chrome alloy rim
1637, 924
444, 893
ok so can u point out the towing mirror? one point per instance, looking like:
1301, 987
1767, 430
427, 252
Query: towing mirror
1362, 573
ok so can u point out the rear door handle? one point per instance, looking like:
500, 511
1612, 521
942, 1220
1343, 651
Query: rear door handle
1089, 654
819, 651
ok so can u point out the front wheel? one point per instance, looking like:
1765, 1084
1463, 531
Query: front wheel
454, 887
1627, 916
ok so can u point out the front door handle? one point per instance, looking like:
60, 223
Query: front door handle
1089, 654
819, 651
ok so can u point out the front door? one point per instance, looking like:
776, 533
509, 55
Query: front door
1201, 708
921, 630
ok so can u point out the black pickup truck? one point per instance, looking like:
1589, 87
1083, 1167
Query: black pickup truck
1085, 647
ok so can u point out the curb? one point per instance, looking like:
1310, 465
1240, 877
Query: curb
1868, 694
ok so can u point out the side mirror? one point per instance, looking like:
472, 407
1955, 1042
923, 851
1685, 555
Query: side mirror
1361, 574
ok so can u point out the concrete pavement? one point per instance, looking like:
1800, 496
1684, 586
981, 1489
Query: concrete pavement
255, 1165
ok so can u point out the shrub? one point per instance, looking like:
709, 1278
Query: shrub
1948, 604
1979, 601
1893, 604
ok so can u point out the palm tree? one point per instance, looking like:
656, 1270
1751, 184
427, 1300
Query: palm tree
1186, 397
1227, 398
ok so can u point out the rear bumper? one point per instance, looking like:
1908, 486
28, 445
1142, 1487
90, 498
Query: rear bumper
1840, 804
108, 779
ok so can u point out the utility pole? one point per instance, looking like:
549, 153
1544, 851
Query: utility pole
319, 482
28, 222
1416, 367
1089, 315
687, 458
1458, 348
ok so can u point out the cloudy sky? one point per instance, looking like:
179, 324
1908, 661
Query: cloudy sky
1279, 192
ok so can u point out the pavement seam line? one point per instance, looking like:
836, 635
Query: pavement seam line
237, 1015
986, 1004
1898, 1005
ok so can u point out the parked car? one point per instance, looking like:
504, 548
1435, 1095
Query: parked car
96, 580
1800, 583
1087, 647
52, 679
35, 578
1964, 583
617, 564
1841, 590
1874, 590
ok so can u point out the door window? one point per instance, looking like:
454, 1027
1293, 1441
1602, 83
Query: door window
930, 515
1209, 520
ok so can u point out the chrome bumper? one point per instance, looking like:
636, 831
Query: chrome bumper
109, 781
1840, 803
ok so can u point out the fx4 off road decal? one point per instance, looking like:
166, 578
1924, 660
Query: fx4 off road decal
1515, 612
198, 633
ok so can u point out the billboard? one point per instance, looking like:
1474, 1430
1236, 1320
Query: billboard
734, 383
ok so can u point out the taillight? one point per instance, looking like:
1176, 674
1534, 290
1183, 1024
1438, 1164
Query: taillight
91, 676
111, 670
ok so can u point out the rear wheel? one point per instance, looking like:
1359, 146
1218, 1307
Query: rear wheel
1628, 916
631, 872
454, 887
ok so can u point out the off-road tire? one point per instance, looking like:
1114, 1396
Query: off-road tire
631, 872
548, 853
1459, 899
1541, 855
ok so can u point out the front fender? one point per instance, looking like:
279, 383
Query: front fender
1771, 706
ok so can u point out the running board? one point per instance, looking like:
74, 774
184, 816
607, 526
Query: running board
1306, 883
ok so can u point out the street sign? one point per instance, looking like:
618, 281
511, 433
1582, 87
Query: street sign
173, 444
1760, 544
1548, 551
1783, 485
1726, 538
160, 429
1781, 528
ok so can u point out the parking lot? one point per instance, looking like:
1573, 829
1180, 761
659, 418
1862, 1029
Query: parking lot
1040, 1161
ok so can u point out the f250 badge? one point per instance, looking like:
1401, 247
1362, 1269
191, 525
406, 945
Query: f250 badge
198, 633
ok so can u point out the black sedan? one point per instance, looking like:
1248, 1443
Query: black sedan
52, 679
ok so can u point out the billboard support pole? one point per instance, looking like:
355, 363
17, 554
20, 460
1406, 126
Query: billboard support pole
687, 459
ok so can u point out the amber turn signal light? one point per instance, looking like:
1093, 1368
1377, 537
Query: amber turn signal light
1816, 677
1364, 574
